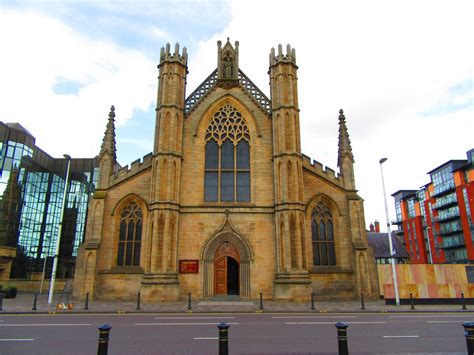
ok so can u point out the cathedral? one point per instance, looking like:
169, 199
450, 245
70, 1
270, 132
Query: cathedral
226, 204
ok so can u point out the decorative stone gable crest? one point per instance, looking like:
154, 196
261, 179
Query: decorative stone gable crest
228, 64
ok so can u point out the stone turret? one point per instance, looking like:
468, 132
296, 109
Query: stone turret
345, 160
160, 281
291, 278
167, 56
289, 57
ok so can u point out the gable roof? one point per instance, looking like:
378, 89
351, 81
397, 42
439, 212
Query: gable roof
379, 243
211, 81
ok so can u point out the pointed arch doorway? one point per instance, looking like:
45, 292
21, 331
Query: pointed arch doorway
226, 258
226, 270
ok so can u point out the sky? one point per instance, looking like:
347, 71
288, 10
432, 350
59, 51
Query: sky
402, 71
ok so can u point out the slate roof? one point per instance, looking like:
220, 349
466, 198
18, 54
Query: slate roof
379, 243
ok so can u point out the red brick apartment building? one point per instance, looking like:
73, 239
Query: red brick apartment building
436, 221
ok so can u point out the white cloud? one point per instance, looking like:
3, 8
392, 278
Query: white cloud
382, 62
41, 50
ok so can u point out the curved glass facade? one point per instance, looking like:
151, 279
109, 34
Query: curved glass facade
31, 195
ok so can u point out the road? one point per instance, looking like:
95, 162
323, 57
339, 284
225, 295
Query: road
248, 333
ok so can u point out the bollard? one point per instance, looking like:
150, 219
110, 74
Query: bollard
362, 307
86, 305
261, 303
411, 302
469, 334
190, 308
103, 346
223, 338
1, 301
34, 302
138, 301
312, 301
463, 301
342, 338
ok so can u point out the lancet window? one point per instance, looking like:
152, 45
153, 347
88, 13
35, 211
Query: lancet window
322, 235
227, 165
130, 236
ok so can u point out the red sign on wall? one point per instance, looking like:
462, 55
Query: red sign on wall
188, 266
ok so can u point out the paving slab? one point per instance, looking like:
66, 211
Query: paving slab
23, 303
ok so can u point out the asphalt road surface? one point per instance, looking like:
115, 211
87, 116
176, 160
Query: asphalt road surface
440, 333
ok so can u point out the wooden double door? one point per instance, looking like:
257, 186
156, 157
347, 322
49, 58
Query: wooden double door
226, 271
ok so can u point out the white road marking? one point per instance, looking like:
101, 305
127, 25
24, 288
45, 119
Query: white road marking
444, 321
16, 339
215, 323
42, 325
208, 338
308, 323
312, 317
191, 317
401, 336
431, 316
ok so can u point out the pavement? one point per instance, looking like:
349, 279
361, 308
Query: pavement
24, 303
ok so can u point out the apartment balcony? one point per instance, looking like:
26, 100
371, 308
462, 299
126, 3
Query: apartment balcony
440, 205
399, 232
396, 222
446, 232
453, 243
443, 188
444, 217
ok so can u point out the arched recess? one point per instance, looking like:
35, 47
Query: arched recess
227, 99
124, 201
293, 244
281, 243
226, 234
88, 277
290, 182
163, 181
364, 285
337, 224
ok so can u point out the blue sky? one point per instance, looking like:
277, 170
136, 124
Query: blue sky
401, 70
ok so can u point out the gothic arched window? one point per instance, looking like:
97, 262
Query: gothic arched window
227, 166
322, 236
130, 236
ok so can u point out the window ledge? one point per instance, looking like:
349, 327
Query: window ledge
123, 270
329, 270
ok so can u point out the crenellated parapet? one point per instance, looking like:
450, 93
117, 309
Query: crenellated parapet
322, 171
167, 56
136, 167
289, 57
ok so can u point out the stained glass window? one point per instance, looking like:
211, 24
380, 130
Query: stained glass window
227, 166
130, 236
322, 235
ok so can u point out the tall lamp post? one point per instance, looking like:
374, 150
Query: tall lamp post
58, 239
389, 234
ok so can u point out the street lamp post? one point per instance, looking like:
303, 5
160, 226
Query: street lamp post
58, 239
44, 266
389, 234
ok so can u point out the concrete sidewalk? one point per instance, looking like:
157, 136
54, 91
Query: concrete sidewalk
23, 303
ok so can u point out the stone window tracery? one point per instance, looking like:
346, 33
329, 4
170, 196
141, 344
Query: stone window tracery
322, 235
130, 235
227, 165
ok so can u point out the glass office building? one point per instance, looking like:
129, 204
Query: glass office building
31, 194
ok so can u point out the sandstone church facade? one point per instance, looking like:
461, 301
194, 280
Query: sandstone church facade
226, 204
